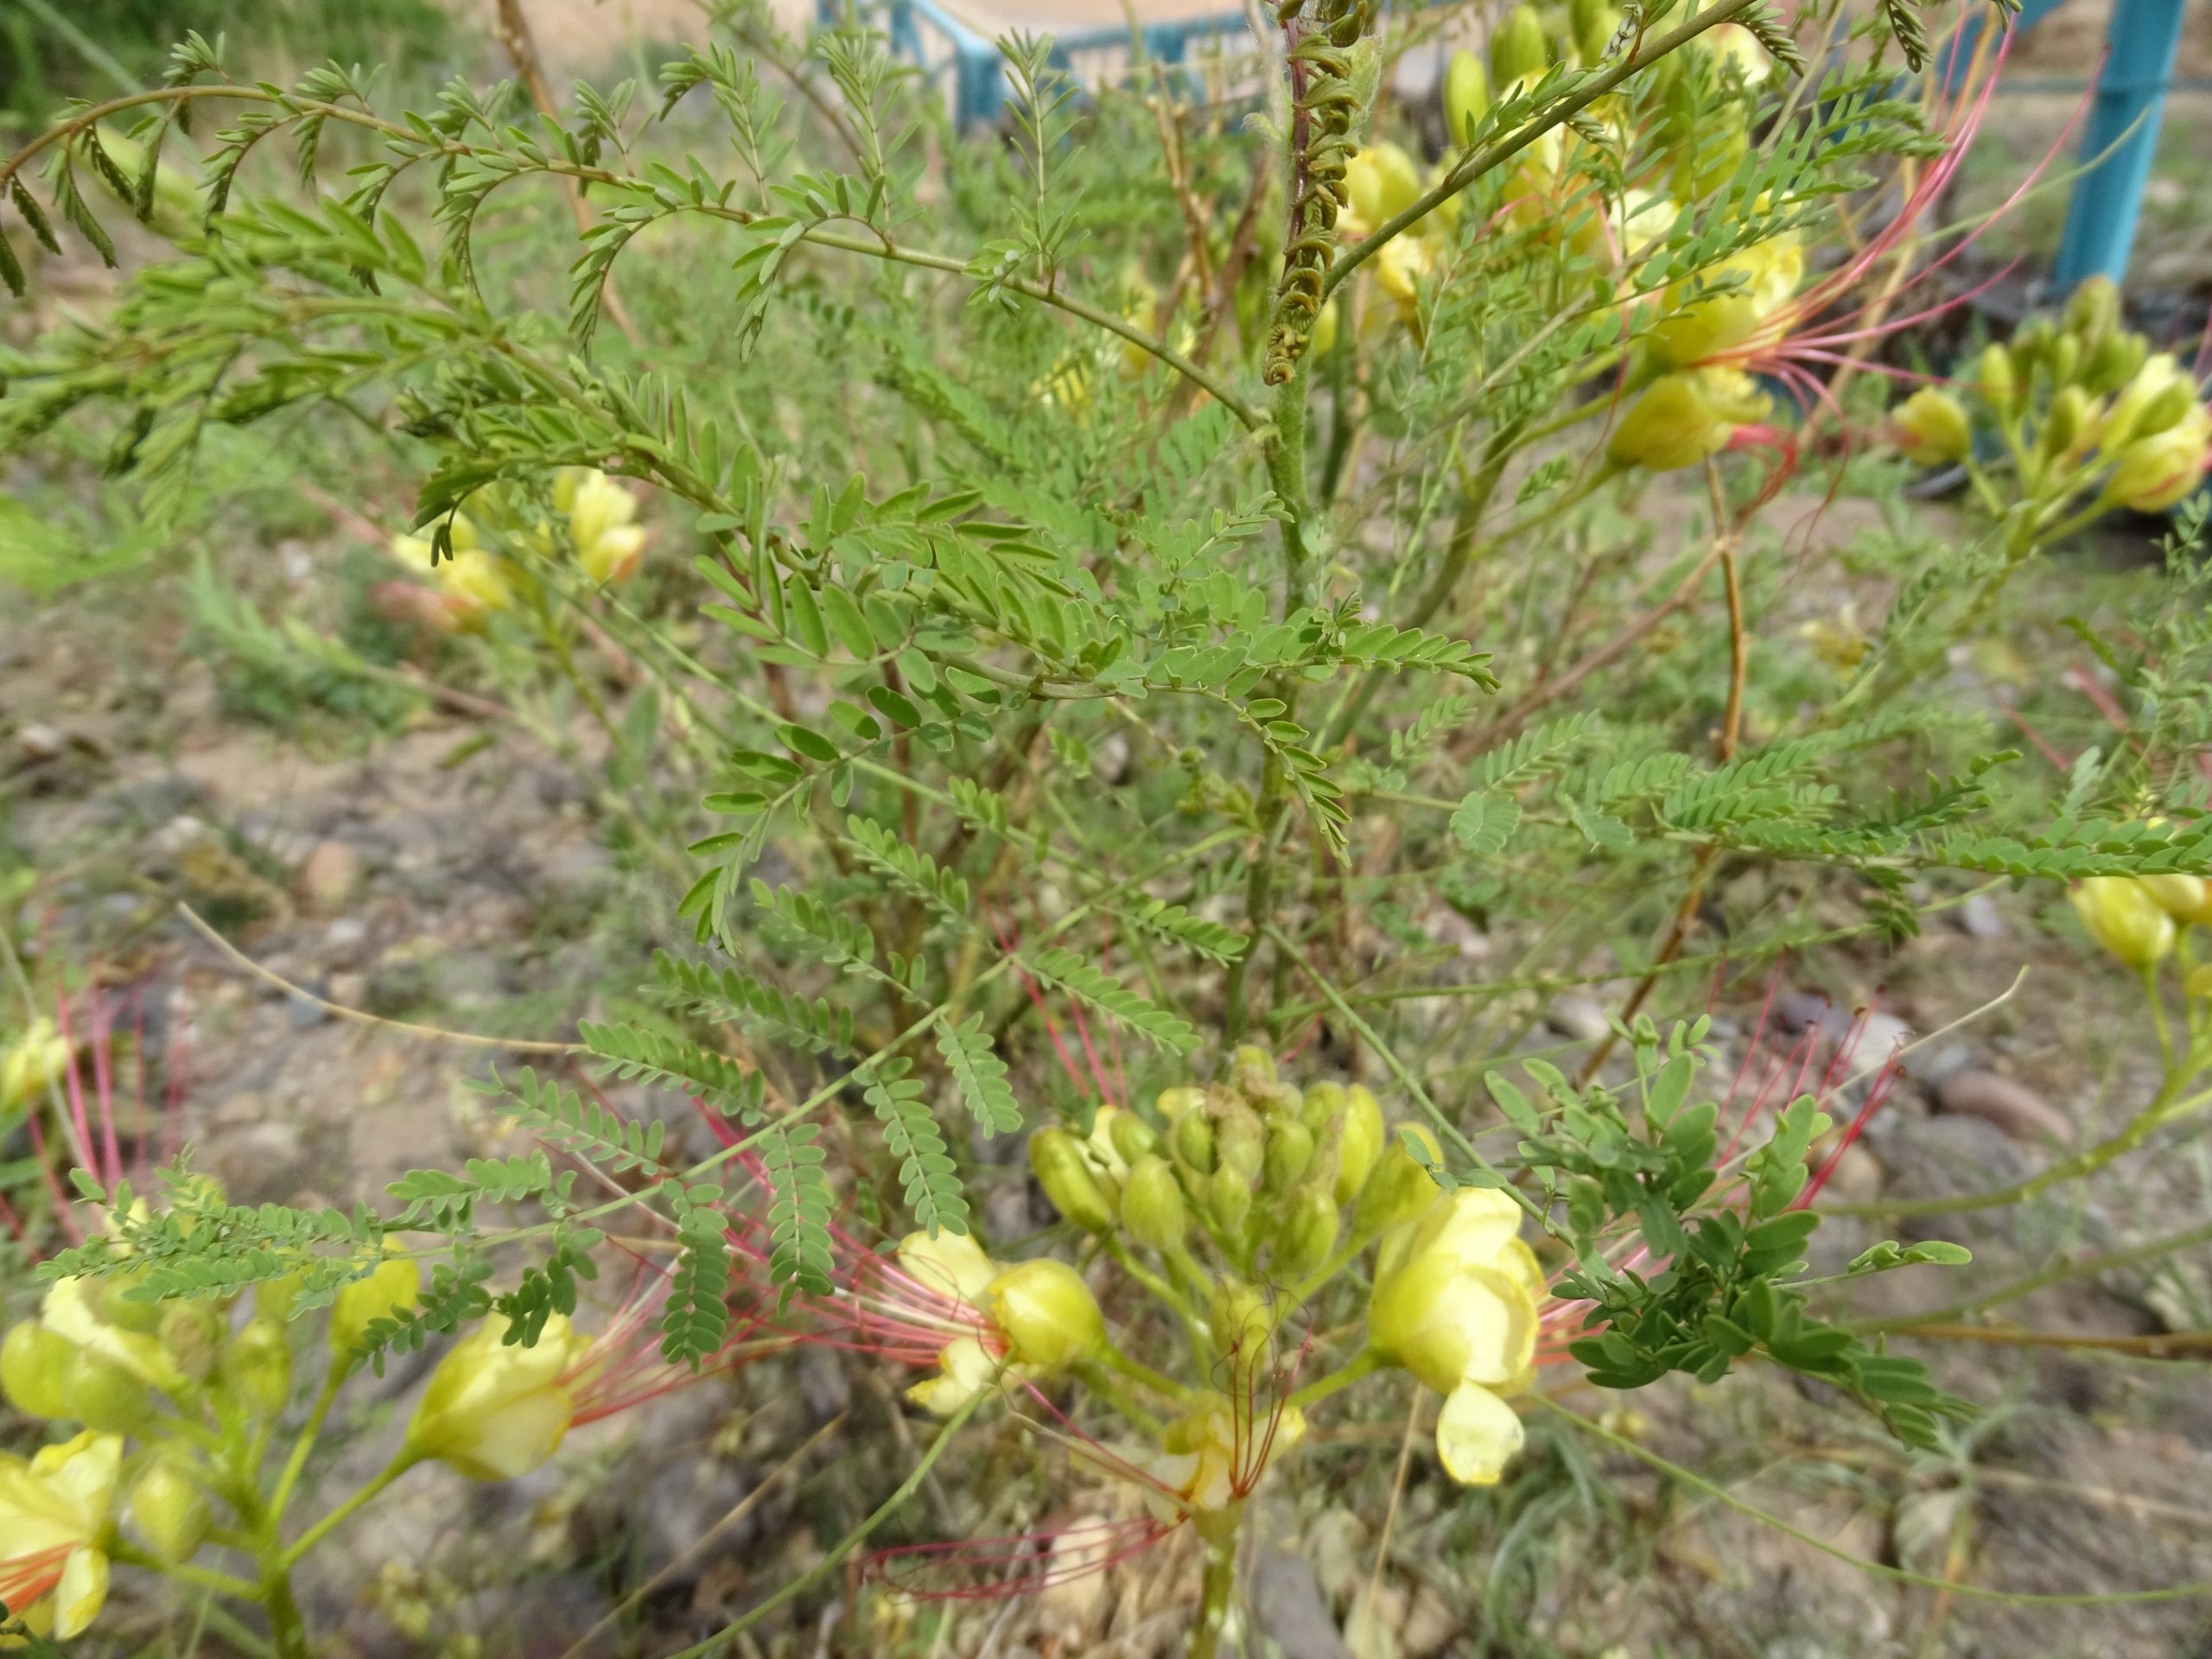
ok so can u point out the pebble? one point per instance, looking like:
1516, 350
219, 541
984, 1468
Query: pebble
39, 742
2012, 1107
329, 876
1287, 1606
1576, 1015
1978, 918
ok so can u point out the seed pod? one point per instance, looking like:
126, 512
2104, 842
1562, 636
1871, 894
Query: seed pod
1398, 1188
1067, 1176
1359, 1143
1289, 1152
1308, 1233
1152, 1204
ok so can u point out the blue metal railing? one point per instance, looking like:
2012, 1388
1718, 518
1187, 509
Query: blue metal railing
2101, 214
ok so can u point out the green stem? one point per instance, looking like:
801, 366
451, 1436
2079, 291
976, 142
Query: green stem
297, 1461
1366, 1362
1094, 1377
1144, 1373
407, 1459
1193, 1326
1216, 1591
206, 1578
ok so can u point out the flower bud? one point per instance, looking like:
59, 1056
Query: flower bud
2145, 393
111, 1300
1249, 1067
2032, 349
2067, 421
2093, 311
191, 1333
1398, 1188
1048, 1314
394, 1288
1931, 428
38, 1057
168, 1510
2065, 358
1681, 418
104, 1393
2118, 359
2000, 384
1289, 1152
1380, 183
1308, 1232
273, 1298
1194, 1141
1067, 1176
608, 545
2154, 474
1466, 97
2181, 897
2122, 916
1324, 328
1243, 1318
1172, 1103
32, 1364
1517, 47
1359, 1142
1152, 1204
1240, 1143
1228, 1199
257, 1365
1132, 1137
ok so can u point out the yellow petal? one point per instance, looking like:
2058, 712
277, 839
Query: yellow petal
78, 1596
1477, 1435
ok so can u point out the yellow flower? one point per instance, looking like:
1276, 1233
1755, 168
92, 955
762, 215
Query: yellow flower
69, 1312
968, 1369
1382, 180
1683, 417
951, 1264
608, 545
1214, 1458
1703, 327
1048, 1313
392, 1288
2153, 473
2155, 398
2181, 897
474, 581
1840, 644
1455, 1304
1404, 264
493, 1411
1931, 428
2123, 916
56, 1515
38, 1057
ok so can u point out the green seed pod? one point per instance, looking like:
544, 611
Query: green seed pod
104, 1395
32, 1362
2065, 358
2000, 380
1324, 1103
1517, 49
1398, 1188
1289, 1154
191, 1332
1067, 1176
1132, 1136
1466, 97
1173, 1103
257, 1365
1194, 1144
167, 1510
1152, 1204
1308, 1233
1360, 1143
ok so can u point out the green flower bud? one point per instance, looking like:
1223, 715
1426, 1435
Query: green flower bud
111, 1301
32, 1363
1466, 97
1228, 1199
395, 1287
1931, 428
2158, 395
1592, 23
1360, 1143
1174, 1104
2031, 348
1398, 1188
1250, 1066
2065, 358
1308, 1233
2000, 382
273, 1298
1132, 1137
2114, 362
2093, 311
1289, 1153
191, 1333
168, 1511
1516, 47
1048, 1313
1193, 1141
1067, 1176
2065, 423
1152, 1204
256, 1364
103, 1394
1240, 1140
1324, 1103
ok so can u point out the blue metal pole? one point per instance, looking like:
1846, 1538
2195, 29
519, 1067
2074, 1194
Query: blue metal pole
2124, 129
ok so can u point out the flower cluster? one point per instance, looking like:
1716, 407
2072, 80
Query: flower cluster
488, 565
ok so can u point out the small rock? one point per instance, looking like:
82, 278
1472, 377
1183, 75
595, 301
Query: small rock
1857, 1177
1287, 1606
303, 1014
345, 936
1940, 1065
2012, 1107
1978, 918
329, 876
1430, 1625
38, 742
1577, 1016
